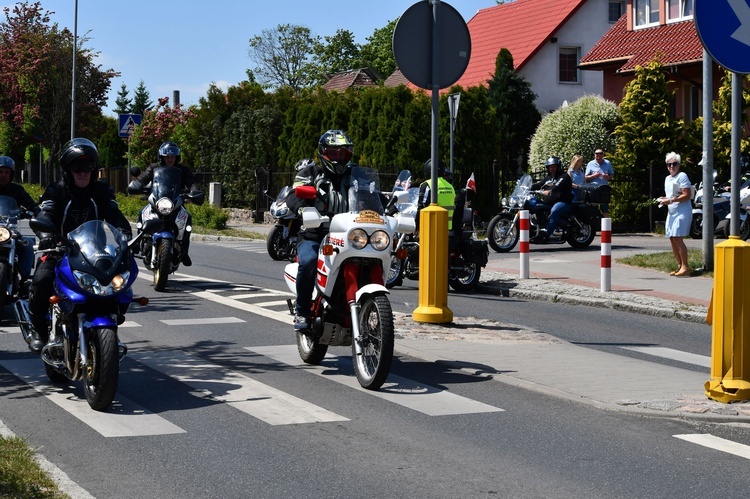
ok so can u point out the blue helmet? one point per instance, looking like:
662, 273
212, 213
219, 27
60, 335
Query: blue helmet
7, 162
168, 149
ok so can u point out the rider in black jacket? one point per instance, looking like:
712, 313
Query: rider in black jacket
22, 198
557, 188
76, 199
169, 155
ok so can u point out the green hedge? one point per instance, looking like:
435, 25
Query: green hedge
207, 216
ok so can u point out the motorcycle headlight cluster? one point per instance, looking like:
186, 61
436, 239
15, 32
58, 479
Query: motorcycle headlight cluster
379, 239
164, 206
4, 234
90, 284
280, 212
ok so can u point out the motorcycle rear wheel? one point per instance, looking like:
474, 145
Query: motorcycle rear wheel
502, 233
376, 330
466, 279
275, 241
581, 237
696, 227
100, 376
310, 351
163, 264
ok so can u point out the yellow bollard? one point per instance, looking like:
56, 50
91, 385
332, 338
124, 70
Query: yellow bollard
730, 341
433, 267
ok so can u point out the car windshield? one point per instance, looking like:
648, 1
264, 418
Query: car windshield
364, 190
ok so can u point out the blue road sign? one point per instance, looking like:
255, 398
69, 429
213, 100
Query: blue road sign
724, 29
128, 122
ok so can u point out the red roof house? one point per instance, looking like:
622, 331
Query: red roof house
664, 28
546, 39
363, 77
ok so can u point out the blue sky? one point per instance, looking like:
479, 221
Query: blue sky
186, 44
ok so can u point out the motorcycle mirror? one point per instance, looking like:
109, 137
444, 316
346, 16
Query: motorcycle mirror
135, 171
42, 225
305, 192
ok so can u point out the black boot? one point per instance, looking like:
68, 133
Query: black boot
186, 261
39, 336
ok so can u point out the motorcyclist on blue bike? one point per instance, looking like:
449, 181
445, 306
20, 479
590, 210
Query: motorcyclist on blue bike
557, 188
332, 178
74, 200
169, 155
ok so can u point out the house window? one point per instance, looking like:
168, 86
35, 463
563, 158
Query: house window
616, 10
679, 10
694, 104
646, 12
569, 57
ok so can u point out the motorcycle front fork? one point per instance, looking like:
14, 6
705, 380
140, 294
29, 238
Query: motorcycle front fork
351, 281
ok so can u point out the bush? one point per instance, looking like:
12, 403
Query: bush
130, 206
34, 190
579, 128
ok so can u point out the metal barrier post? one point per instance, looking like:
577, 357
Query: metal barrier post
606, 261
523, 243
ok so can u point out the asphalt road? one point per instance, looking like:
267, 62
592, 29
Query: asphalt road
214, 402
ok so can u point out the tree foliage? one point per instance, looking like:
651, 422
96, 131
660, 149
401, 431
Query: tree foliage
283, 56
336, 54
722, 123
36, 79
579, 128
647, 132
123, 103
158, 125
515, 113
141, 100
378, 51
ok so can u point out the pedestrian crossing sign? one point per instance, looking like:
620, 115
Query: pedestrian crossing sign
128, 122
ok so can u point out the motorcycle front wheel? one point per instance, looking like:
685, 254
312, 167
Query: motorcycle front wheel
163, 264
466, 278
275, 241
502, 233
4, 275
394, 277
100, 376
376, 330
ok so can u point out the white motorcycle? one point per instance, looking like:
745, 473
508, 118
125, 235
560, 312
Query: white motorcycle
350, 301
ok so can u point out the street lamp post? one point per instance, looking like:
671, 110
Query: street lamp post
73, 91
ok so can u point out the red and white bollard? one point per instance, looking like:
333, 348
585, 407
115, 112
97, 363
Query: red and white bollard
523, 243
606, 240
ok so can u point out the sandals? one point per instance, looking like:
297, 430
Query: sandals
673, 273
683, 273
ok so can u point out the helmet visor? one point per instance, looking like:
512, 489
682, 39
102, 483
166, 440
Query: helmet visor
82, 165
338, 154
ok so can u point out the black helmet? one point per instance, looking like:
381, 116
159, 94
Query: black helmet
81, 154
335, 149
7, 162
553, 160
428, 168
168, 149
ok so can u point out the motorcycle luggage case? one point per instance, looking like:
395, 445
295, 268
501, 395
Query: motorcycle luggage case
476, 252
596, 193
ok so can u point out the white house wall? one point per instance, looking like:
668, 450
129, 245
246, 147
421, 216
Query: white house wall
583, 30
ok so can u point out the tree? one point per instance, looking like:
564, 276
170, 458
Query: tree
141, 100
517, 116
647, 132
158, 125
36, 78
283, 56
338, 53
722, 107
123, 102
586, 124
378, 51
112, 148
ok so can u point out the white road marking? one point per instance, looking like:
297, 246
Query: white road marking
10, 330
271, 303
260, 295
130, 324
717, 443
123, 419
201, 322
405, 392
249, 396
669, 353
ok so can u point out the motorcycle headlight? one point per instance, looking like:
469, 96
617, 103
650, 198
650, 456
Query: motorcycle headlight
281, 212
88, 283
504, 202
4, 234
164, 206
380, 240
358, 238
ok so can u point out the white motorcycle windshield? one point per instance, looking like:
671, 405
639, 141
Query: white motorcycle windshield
364, 191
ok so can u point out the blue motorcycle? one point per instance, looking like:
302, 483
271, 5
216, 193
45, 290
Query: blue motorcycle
93, 279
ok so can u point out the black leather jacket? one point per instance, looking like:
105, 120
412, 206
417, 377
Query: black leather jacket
22, 197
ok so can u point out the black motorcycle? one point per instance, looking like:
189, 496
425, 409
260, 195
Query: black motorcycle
578, 228
162, 251
282, 239
466, 254
10, 244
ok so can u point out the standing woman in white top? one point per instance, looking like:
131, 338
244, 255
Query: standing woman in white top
677, 201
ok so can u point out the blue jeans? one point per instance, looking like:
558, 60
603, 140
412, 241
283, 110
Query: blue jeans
307, 253
558, 210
